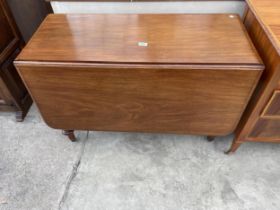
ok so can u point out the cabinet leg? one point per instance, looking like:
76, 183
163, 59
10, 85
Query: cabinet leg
210, 138
23, 108
20, 116
235, 145
70, 134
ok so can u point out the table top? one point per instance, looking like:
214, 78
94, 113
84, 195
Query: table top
268, 14
150, 39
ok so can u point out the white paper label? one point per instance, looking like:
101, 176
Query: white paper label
142, 44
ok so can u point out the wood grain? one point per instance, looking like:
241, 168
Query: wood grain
268, 15
266, 130
114, 39
86, 72
200, 101
272, 108
258, 21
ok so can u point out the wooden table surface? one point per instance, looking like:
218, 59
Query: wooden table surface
195, 76
268, 14
220, 39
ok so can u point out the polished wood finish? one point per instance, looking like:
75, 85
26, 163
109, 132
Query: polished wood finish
28, 15
115, 38
13, 94
272, 109
260, 121
266, 129
267, 14
87, 72
146, 99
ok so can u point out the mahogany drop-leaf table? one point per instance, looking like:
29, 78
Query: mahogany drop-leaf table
166, 73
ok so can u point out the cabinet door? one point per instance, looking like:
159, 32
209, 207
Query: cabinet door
9, 36
5, 96
29, 14
266, 130
272, 109
268, 126
12, 80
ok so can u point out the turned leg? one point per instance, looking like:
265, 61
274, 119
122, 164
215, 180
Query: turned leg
70, 134
210, 138
235, 145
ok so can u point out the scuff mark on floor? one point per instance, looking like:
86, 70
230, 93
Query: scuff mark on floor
73, 174
229, 195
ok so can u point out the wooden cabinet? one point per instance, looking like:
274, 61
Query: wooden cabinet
265, 130
28, 15
272, 108
261, 121
9, 36
13, 94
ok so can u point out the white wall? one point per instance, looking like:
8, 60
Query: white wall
150, 7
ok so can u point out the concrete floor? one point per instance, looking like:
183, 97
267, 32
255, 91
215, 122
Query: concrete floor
41, 170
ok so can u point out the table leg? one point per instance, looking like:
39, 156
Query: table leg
70, 134
210, 138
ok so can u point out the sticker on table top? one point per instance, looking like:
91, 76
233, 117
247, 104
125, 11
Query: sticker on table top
143, 44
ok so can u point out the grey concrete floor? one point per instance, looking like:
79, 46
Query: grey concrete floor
41, 170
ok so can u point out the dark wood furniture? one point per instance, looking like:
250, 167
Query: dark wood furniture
28, 15
189, 74
13, 94
261, 121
